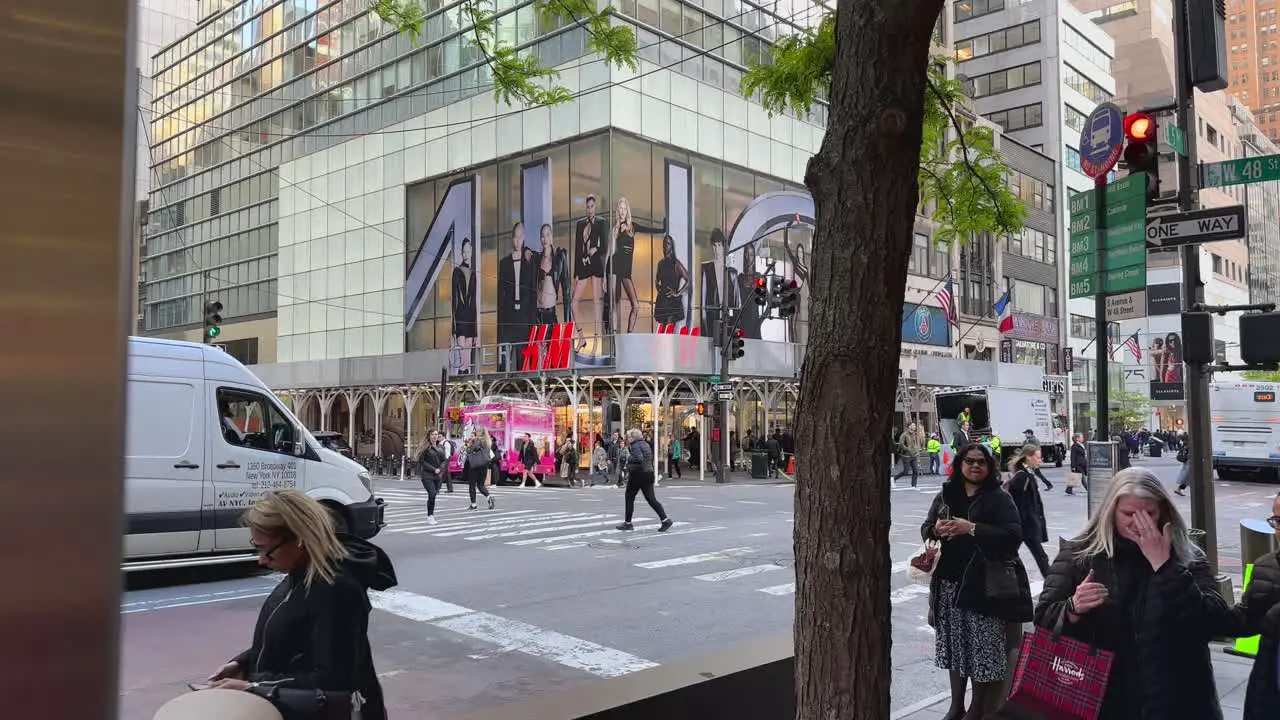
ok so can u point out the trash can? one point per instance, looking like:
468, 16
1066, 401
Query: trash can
1256, 539
1155, 449
759, 464
1196, 536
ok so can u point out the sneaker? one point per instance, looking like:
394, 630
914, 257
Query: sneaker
473, 506
492, 503
666, 525
431, 519
626, 526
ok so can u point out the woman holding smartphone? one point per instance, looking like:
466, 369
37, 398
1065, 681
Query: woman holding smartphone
977, 523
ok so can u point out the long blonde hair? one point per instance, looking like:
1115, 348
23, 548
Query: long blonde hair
292, 514
1099, 535
1020, 458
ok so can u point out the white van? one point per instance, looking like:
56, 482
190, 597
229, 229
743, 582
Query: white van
205, 439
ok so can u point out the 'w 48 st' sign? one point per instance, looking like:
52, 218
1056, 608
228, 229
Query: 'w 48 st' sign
549, 348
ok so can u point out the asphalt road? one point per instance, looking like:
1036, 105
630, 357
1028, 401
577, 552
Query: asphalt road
496, 606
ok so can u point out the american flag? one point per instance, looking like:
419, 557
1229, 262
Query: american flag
1131, 344
947, 300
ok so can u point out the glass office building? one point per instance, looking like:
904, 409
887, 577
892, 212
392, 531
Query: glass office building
259, 84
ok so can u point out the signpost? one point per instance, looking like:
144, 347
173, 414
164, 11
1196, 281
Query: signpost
724, 395
1240, 172
1101, 235
1196, 226
1127, 306
1123, 232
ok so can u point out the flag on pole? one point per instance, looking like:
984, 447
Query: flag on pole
1131, 344
1003, 303
947, 300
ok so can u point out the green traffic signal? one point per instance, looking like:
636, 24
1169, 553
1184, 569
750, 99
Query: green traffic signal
214, 332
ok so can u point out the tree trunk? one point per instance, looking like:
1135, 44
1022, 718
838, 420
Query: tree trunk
864, 185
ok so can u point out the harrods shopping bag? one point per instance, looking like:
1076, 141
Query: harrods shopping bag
1058, 677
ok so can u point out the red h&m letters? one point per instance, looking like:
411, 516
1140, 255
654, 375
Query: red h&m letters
556, 356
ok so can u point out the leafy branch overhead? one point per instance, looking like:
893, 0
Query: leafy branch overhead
962, 174
518, 76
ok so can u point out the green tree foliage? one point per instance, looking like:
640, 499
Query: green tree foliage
962, 175
1129, 410
518, 76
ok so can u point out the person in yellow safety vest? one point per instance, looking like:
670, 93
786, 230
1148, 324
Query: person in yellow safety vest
995, 446
934, 448
964, 417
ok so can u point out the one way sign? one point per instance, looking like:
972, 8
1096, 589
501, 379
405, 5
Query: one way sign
1197, 226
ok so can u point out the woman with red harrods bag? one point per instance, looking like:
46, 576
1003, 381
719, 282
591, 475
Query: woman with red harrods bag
1135, 590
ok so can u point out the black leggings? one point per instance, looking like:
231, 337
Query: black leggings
431, 483
642, 482
475, 480
1042, 558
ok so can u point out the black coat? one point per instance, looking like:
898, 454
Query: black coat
318, 636
431, 460
1079, 459
997, 537
1025, 492
1158, 624
1258, 612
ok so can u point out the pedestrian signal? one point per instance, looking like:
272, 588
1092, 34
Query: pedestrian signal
702, 408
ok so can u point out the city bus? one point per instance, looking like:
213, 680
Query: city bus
1245, 419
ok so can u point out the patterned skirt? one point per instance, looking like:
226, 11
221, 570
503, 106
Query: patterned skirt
968, 642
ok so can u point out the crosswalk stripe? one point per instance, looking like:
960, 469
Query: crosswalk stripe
632, 539
737, 573
537, 531
692, 559
474, 519
575, 536
455, 521
520, 525
787, 589
907, 592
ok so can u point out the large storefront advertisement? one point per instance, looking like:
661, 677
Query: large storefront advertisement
925, 325
1164, 342
540, 261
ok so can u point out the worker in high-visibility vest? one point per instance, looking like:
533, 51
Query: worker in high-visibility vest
964, 417
934, 448
995, 446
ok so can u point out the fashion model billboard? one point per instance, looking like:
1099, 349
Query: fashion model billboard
559, 258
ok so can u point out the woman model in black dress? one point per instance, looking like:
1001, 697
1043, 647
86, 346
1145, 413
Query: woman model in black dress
671, 282
588, 269
622, 251
464, 308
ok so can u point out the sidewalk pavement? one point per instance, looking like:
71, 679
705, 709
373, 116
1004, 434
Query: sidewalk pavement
1231, 674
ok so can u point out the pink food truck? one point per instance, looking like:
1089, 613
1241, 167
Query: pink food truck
508, 420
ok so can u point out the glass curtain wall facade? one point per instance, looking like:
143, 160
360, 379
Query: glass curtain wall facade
261, 82
611, 232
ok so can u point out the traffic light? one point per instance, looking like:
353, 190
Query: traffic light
212, 320
1142, 150
761, 291
775, 291
702, 408
737, 345
789, 299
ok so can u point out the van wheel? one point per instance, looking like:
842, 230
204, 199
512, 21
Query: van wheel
339, 516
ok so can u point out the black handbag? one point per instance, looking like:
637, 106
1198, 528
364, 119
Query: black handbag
306, 703
991, 583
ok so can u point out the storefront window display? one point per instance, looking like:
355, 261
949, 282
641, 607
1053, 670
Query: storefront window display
611, 233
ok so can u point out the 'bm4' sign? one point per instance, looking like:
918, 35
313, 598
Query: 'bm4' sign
548, 348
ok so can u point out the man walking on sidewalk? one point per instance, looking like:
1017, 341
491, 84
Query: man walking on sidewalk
640, 477
911, 444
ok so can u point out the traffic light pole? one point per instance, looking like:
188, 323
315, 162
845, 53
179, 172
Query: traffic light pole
1197, 381
1103, 347
722, 469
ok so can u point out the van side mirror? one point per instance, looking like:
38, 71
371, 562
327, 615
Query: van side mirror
299, 444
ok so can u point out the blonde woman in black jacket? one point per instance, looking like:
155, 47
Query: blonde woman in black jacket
1134, 583
312, 632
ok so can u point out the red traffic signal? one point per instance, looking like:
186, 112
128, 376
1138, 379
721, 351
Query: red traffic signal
761, 291
739, 333
1139, 127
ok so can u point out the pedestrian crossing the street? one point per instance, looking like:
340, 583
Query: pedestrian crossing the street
549, 520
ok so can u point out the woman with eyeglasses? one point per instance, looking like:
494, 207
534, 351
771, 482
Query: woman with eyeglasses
312, 632
980, 531
1258, 613
1133, 582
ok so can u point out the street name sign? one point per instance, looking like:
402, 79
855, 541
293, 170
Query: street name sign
1127, 306
1240, 172
1123, 239
1196, 226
